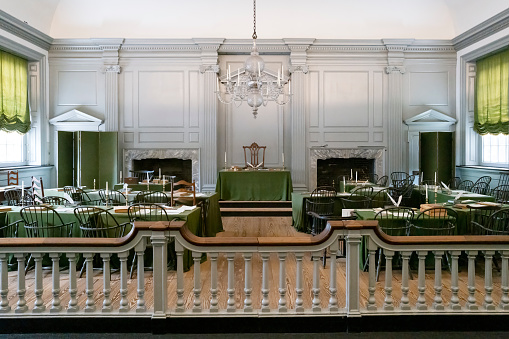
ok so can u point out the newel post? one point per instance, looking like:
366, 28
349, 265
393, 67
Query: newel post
353, 241
159, 240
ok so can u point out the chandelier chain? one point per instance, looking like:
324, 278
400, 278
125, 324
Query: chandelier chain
254, 20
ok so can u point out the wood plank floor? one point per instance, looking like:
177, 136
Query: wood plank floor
255, 227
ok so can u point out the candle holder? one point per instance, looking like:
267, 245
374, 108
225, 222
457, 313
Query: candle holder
172, 180
225, 166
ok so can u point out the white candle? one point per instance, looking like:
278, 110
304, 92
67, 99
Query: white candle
225, 158
283, 157
351, 174
355, 176
344, 184
22, 193
106, 187
426, 192
435, 178
259, 70
120, 176
289, 86
94, 184
163, 180
159, 172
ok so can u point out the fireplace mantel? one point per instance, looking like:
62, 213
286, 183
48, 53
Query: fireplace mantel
168, 153
316, 153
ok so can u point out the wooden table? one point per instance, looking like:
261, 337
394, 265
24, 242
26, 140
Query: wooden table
254, 185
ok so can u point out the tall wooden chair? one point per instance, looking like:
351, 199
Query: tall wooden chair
12, 178
252, 155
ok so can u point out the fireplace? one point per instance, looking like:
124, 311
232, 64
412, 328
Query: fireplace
335, 169
376, 154
182, 161
180, 168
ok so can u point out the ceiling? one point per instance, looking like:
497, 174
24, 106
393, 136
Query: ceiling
232, 19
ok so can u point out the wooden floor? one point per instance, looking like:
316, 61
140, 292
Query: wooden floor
256, 227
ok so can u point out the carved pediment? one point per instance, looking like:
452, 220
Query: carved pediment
76, 120
430, 116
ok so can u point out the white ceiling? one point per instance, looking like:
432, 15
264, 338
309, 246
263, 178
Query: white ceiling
232, 19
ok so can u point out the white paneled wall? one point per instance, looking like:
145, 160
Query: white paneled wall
350, 93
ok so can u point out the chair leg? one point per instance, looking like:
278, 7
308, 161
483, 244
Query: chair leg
133, 265
378, 264
27, 267
83, 268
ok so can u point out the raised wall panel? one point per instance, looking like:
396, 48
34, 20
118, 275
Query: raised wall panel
194, 137
346, 136
470, 94
160, 137
378, 99
314, 137
194, 99
378, 136
77, 88
428, 89
314, 99
346, 99
160, 99
265, 130
128, 100
128, 137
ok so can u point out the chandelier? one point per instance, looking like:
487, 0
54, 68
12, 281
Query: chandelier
253, 83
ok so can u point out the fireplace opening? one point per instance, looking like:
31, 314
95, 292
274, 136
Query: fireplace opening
334, 169
180, 168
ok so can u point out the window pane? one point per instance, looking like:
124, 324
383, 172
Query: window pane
495, 149
11, 148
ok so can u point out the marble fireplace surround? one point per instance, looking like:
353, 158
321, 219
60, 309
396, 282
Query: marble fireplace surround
167, 153
316, 153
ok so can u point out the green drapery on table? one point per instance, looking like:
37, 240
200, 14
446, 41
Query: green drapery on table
67, 214
14, 110
491, 112
264, 185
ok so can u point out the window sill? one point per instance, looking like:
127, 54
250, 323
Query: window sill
22, 168
485, 168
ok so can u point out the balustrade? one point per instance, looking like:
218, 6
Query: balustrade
275, 276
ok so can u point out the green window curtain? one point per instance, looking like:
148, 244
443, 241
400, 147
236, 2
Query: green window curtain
14, 112
491, 113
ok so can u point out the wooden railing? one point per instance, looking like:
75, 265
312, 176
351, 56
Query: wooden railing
295, 260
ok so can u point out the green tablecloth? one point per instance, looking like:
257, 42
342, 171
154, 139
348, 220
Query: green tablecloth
67, 214
300, 219
266, 185
442, 197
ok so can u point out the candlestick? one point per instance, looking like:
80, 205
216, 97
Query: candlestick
94, 184
159, 172
120, 176
283, 158
426, 193
351, 174
435, 178
344, 184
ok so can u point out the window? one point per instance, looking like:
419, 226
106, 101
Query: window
495, 150
12, 149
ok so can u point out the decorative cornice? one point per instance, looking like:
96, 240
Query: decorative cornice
394, 69
300, 68
485, 29
22, 30
112, 69
209, 68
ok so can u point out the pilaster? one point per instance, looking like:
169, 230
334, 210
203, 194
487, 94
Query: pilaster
298, 69
395, 70
110, 50
209, 69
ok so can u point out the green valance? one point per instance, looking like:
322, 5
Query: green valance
14, 111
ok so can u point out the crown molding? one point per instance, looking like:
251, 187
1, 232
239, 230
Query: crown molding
22, 30
485, 29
